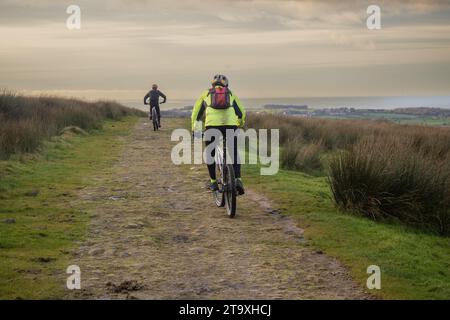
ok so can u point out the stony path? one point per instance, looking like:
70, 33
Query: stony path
156, 234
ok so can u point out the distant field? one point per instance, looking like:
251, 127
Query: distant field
441, 117
416, 115
397, 118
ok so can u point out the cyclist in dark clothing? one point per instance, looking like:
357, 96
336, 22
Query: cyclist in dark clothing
153, 97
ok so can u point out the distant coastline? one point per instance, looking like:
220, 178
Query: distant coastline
386, 103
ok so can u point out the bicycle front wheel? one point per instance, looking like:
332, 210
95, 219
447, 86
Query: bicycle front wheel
219, 196
229, 190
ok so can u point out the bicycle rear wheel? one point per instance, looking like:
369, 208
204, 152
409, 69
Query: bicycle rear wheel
229, 190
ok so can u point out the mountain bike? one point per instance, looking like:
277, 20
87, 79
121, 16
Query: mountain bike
153, 115
225, 196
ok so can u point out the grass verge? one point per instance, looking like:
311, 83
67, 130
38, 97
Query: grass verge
38, 226
414, 264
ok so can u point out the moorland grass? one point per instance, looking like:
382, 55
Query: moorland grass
376, 169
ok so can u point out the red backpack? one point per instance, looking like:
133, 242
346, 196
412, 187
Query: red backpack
220, 97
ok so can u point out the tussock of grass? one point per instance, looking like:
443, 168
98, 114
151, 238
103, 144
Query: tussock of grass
74, 130
305, 158
393, 180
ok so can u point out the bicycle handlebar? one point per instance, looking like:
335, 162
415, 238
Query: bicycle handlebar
147, 103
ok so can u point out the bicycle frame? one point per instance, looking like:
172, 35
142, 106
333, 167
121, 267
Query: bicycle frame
220, 157
150, 107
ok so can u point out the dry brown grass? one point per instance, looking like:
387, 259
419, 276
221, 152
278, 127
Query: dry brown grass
380, 170
27, 121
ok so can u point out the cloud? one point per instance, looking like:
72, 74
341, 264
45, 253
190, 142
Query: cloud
124, 43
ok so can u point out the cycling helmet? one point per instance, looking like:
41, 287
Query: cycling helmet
220, 80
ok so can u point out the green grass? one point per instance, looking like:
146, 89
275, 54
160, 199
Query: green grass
34, 251
414, 265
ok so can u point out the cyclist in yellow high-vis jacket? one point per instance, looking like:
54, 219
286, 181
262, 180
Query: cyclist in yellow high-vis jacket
222, 110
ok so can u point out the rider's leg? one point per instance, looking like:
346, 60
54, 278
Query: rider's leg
211, 166
236, 161
213, 186
150, 113
233, 148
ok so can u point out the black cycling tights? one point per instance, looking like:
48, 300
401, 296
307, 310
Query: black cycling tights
236, 165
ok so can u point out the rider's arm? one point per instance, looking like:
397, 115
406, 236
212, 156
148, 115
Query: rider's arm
240, 110
146, 97
163, 96
198, 110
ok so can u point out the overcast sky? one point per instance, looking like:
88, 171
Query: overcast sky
268, 48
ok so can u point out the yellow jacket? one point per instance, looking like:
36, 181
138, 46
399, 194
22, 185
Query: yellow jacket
232, 116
